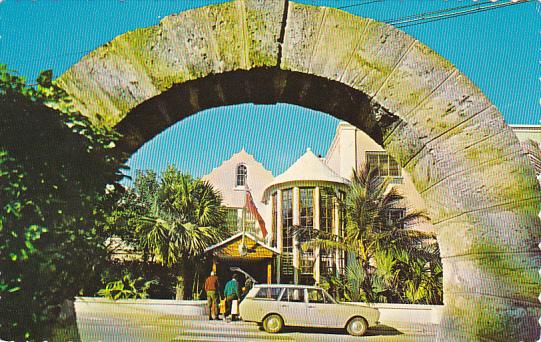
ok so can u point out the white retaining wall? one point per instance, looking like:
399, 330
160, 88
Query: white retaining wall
389, 313
411, 313
158, 306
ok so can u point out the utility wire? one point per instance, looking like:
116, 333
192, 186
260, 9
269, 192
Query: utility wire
360, 4
401, 22
427, 19
390, 21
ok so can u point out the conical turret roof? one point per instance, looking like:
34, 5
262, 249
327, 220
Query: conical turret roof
308, 170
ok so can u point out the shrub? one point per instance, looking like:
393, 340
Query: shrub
127, 288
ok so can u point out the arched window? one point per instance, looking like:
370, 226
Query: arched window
242, 173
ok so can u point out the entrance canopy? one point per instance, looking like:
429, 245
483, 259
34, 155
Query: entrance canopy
256, 258
255, 249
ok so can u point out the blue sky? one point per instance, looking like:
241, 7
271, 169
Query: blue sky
499, 50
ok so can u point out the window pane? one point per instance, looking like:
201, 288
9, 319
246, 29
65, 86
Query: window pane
232, 219
307, 222
287, 233
250, 224
269, 293
327, 263
383, 165
387, 166
372, 159
307, 207
242, 173
293, 295
326, 210
307, 261
396, 215
316, 296
274, 218
394, 168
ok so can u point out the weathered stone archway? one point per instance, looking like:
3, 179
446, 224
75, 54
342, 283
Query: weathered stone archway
480, 189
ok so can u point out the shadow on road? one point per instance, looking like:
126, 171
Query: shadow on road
380, 330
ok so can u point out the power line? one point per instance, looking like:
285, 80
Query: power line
423, 19
360, 4
400, 22
389, 21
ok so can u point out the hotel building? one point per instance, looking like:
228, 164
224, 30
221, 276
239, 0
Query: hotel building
307, 195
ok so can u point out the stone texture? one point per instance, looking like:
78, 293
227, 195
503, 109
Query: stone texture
415, 77
264, 22
522, 231
495, 274
483, 317
467, 164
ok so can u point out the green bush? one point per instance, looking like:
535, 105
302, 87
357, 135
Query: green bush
127, 288
54, 168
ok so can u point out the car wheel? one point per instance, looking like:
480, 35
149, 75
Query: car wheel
273, 323
357, 326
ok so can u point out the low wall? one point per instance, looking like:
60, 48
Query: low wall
158, 306
411, 313
389, 313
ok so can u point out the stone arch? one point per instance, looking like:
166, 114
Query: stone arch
467, 164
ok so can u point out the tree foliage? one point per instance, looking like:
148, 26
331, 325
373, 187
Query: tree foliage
170, 220
54, 166
391, 264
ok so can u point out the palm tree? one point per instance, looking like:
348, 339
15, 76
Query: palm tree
374, 238
185, 216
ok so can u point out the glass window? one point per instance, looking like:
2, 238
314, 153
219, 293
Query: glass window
326, 207
307, 222
250, 224
242, 174
287, 232
387, 166
396, 215
307, 207
272, 293
326, 216
274, 217
233, 219
293, 295
318, 296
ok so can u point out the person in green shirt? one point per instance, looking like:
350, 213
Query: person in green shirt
231, 292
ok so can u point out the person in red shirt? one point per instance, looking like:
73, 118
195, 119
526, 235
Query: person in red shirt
212, 287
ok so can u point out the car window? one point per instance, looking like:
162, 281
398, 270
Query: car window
293, 295
317, 296
269, 293
328, 298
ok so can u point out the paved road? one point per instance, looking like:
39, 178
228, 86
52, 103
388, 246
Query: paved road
145, 326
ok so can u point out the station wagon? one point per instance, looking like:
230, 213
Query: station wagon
274, 306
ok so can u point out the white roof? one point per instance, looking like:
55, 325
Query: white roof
307, 170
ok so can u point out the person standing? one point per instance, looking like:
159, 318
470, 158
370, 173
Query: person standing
248, 284
212, 287
231, 292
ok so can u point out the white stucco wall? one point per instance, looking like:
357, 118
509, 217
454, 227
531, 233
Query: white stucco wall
224, 178
348, 151
525, 132
349, 146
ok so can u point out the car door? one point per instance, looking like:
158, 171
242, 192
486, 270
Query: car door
321, 310
292, 306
